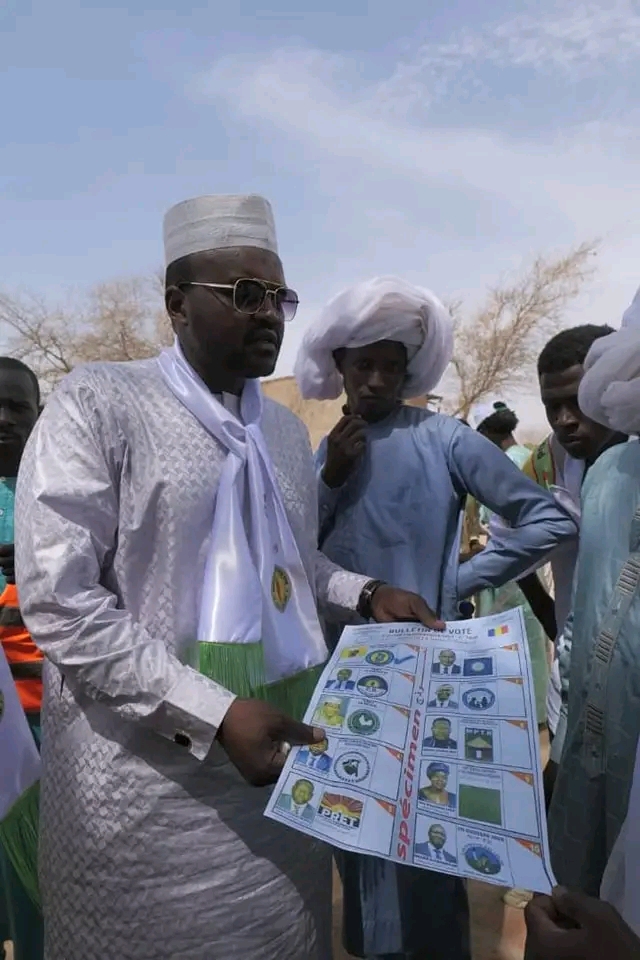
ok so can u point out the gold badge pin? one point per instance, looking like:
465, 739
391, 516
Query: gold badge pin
280, 589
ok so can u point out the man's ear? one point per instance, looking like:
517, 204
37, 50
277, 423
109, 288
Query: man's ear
175, 302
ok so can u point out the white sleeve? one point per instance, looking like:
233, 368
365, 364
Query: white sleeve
67, 510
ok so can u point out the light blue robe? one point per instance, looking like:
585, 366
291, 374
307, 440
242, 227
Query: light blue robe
398, 518
592, 789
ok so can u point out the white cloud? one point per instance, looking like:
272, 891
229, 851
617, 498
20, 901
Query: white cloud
574, 40
305, 94
579, 38
391, 190
569, 41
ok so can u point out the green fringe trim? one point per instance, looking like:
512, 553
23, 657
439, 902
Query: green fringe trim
19, 837
240, 668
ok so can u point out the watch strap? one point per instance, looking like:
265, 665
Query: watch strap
366, 598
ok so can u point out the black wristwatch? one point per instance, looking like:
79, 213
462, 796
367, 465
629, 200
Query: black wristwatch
366, 597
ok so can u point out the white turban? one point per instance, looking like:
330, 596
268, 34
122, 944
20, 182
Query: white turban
610, 389
482, 411
382, 309
214, 223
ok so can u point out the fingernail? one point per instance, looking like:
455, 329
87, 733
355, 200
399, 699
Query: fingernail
319, 734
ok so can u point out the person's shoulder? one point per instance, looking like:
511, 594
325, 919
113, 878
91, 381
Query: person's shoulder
616, 468
94, 385
542, 464
276, 416
621, 454
431, 422
104, 374
458, 441
543, 445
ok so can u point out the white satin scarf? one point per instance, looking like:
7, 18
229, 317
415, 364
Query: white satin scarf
255, 586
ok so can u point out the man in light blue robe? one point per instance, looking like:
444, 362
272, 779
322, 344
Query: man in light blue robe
591, 795
393, 480
594, 779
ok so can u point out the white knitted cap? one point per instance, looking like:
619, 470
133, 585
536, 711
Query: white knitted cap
215, 223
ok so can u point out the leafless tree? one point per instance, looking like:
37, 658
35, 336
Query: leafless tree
118, 320
497, 346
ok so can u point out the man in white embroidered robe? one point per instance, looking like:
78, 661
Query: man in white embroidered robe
152, 843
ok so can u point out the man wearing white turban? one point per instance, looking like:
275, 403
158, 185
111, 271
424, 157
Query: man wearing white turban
593, 786
392, 482
166, 547
383, 309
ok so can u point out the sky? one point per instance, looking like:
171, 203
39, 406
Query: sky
448, 143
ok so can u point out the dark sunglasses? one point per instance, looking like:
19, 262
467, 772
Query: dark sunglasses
250, 296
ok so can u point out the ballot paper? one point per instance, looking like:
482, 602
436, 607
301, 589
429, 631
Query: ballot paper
431, 756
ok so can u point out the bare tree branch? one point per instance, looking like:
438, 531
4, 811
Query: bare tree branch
498, 346
119, 320
38, 336
495, 348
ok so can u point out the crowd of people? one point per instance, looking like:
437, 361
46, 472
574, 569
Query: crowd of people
176, 564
